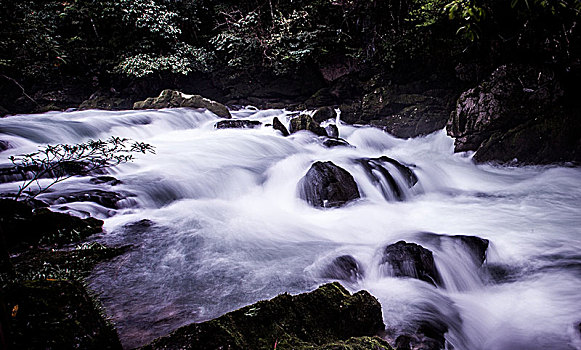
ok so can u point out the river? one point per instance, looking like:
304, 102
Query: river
215, 223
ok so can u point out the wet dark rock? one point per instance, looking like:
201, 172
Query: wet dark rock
107, 199
335, 142
13, 173
306, 122
517, 114
403, 342
171, 99
24, 225
332, 130
55, 314
323, 319
344, 268
404, 259
109, 101
237, 124
381, 165
278, 125
476, 246
326, 186
324, 113
4, 145
100, 180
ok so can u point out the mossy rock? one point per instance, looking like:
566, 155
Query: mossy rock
52, 314
323, 319
306, 122
172, 99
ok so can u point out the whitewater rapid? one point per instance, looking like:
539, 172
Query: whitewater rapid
215, 223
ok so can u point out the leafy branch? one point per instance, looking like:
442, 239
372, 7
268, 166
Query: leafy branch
63, 161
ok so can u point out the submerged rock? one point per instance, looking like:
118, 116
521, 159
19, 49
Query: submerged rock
332, 130
378, 171
344, 268
323, 319
107, 199
306, 122
278, 125
476, 246
171, 98
335, 142
237, 124
326, 186
4, 145
404, 259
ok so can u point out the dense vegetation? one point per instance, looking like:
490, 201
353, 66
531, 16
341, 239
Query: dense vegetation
104, 43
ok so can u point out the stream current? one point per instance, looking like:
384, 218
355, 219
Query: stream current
215, 223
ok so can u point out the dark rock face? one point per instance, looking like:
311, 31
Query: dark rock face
278, 125
237, 124
99, 180
172, 98
306, 122
326, 186
404, 259
4, 145
344, 268
375, 166
516, 114
106, 101
324, 113
404, 110
49, 314
322, 319
24, 225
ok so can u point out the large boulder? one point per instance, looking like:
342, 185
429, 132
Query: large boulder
404, 259
516, 114
171, 98
327, 185
323, 319
381, 172
54, 314
306, 122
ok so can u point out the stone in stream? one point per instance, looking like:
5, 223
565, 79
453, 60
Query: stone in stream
237, 124
375, 166
476, 246
172, 99
324, 113
326, 186
331, 142
278, 125
326, 318
404, 259
4, 145
306, 122
344, 268
107, 199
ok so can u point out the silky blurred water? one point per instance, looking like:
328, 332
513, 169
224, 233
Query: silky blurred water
215, 223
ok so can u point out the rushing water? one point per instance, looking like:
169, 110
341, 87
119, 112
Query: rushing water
215, 223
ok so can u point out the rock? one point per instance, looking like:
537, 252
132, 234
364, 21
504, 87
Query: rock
335, 142
516, 114
278, 125
106, 101
476, 246
324, 113
24, 225
323, 319
107, 199
237, 124
326, 186
344, 268
404, 259
99, 180
306, 122
4, 145
378, 171
55, 314
332, 130
171, 98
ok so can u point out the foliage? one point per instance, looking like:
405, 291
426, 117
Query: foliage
62, 161
469, 14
